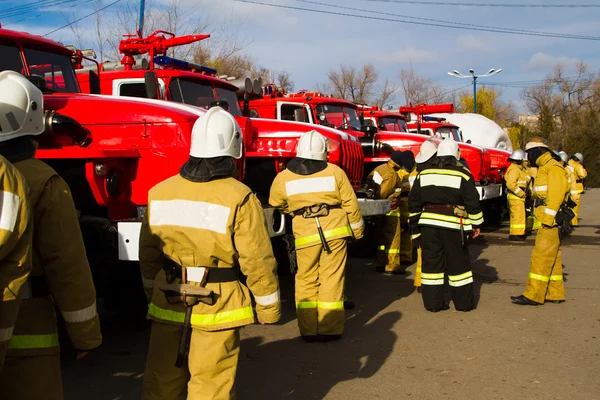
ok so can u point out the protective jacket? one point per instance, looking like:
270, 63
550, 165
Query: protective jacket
292, 192
580, 173
550, 190
386, 180
572, 181
60, 276
517, 181
214, 224
435, 195
16, 233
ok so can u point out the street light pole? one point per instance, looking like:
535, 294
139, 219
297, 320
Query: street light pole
457, 74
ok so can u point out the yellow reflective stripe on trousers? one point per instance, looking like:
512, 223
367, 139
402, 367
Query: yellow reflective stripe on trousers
393, 214
556, 277
511, 196
330, 305
460, 280
538, 277
223, 317
33, 341
517, 226
328, 234
389, 251
432, 279
306, 304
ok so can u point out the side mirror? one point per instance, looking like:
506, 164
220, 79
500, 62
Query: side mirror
469, 141
151, 85
94, 82
361, 118
299, 115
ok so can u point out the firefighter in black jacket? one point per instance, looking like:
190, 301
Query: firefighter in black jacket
444, 207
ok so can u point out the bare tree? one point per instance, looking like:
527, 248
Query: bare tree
387, 94
284, 80
351, 84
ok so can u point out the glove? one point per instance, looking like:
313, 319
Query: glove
393, 204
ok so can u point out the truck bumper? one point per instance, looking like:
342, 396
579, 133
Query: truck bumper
371, 207
128, 233
490, 191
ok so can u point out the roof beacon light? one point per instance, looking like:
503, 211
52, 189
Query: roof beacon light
433, 119
173, 63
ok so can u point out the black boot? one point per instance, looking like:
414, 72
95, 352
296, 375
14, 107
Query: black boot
438, 309
524, 301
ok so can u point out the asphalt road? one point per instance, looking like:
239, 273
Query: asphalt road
394, 349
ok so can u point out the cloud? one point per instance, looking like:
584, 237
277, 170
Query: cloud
411, 54
472, 43
543, 61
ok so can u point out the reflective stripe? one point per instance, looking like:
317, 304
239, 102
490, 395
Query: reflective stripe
389, 251
310, 185
556, 277
328, 234
477, 221
540, 188
6, 333
444, 172
539, 277
330, 305
444, 224
224, 317
148, 283
571, 168
441, 180
518, 190
575, 192
425, 275
357, 225
518, 226
377, 178
432, 279
549, 211
189, 214
537, 224
33, 341
479, 215
85, 314
460, 280
511, 196
416, 235
306, 304
9, 210
411, 180
414, 214
268, 300
393, 214
460, 283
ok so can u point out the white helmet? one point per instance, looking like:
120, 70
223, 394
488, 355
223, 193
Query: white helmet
448, 147
579, 156
426, 151
517, 155
564, 156
216, 134
21, 107
312, 145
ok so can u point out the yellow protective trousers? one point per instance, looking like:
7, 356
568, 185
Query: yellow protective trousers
16, 381
545, 281
388, 242
577, 200
406, 250
210, 373
320, 289
518, 221
417, 282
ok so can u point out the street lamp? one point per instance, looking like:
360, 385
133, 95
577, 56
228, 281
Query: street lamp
457, 74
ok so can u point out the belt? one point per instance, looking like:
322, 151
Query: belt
439, 208
301, 211
35, 287
215, 275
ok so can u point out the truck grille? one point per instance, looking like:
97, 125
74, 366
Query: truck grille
352, 160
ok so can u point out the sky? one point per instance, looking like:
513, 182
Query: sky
309, 44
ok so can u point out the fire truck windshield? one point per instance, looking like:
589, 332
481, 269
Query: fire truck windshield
337, 116
391, 124
202, 94
446, 131
56, 69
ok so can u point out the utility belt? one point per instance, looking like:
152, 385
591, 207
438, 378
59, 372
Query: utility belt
451, 210
524, 189
310, 211
213, 275
35, 287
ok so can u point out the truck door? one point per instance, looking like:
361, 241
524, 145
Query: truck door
294, 112
134, 87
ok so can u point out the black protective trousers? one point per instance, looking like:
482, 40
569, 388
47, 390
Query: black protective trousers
446, 264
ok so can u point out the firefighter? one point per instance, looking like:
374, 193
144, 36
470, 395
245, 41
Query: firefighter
326, 215
387, 185
444, 206
545, 282
531, 172
517, 182
60, 274
571, 178
202, 228
576, 166
426, 155
16, 231
407, 162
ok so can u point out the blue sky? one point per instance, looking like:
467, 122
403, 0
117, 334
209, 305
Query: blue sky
308, 44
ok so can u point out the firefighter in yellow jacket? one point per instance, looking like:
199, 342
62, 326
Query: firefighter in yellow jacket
60, 276
388, 185
531, 171
16, 229
545, 282
423, 160
407, 162
571, 178
576, 166
517, 182
202, 229
326, 214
